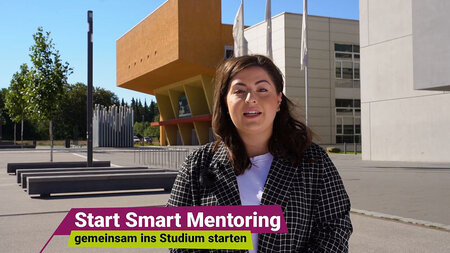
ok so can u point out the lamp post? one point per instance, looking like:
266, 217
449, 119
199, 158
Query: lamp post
90, 88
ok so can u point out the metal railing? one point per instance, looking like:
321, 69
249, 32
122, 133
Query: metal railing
166, 157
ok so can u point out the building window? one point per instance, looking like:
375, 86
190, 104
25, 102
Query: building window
348, 121
346, 61
183, 107
229, 52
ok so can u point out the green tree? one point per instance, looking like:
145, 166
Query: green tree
105, 97
48, 78
71, 120
3, 92
15, 100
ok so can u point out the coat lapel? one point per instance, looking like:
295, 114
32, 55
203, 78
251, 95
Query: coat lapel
278, 183
277, 191
226, 188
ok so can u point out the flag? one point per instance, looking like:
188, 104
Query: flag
304, 44
238, 32
269, 29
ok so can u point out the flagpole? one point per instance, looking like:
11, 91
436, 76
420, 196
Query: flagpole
304, 55
269, 29
306, 95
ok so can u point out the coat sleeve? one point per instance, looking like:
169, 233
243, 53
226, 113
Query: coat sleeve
331, 226
181, 194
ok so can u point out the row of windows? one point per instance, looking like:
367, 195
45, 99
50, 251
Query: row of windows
347, 70
348, 129
348, 138
348, 103
346, 48
347, 61
348, 120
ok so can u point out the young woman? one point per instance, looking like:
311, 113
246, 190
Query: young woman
264, 156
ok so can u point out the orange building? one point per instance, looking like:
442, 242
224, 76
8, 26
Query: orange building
172, 54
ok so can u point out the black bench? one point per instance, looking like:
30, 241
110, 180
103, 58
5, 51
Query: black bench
46, 185
82, 173
12, 167
44, 170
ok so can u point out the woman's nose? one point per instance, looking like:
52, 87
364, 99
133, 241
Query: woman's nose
250, 98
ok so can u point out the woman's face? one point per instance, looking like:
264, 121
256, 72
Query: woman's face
253, 102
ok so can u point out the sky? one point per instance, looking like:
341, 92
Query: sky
67, 22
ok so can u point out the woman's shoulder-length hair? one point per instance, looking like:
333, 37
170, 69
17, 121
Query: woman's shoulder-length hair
290, 137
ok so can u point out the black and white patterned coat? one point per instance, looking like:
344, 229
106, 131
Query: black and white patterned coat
312, 196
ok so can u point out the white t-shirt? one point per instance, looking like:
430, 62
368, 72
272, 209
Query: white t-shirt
251, 185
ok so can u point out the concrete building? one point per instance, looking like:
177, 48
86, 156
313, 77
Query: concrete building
333, 62
405, 54
173, 52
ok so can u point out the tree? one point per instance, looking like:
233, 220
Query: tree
3, 92
15, 100
71, 119
105, 97
48, 78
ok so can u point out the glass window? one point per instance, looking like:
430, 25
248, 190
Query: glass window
338, 69
343, 48
348, 138
356, 48
348, 129
183, 107
347, 70
344, 56
356, 70
229, 52
339, 129
357, 129
344, 102
357, 103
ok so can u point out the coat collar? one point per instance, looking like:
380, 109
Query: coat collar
276, 188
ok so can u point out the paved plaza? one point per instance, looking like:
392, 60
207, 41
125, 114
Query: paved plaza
415, 192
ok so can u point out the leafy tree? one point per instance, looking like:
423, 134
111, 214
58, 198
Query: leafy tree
3, 92
15, 100
48, 78
71, 120
105, 97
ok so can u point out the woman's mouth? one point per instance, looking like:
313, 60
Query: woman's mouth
252, 114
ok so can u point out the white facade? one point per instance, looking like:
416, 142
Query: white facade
400, 123
324, 85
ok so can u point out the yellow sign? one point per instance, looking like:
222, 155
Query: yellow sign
162, 239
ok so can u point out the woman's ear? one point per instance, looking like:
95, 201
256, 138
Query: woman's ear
280, 97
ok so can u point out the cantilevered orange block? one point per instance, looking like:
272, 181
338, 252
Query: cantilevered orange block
172, 54
179, 40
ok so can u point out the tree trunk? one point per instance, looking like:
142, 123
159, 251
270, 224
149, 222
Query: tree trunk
15, 133
51, 140
21, 132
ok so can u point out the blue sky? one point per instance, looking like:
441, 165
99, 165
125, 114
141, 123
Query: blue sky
67, 22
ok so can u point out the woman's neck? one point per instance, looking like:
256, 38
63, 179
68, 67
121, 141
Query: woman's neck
255, 144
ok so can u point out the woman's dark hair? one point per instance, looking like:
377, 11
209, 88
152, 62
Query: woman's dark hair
290, 137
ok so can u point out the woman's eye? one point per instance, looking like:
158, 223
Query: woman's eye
239, 91
262, 90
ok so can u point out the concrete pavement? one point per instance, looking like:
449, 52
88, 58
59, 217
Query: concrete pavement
411, 190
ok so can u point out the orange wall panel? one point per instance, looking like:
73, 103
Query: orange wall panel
151, 44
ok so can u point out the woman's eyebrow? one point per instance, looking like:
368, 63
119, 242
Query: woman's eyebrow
240, 84
256, 83
262, 81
